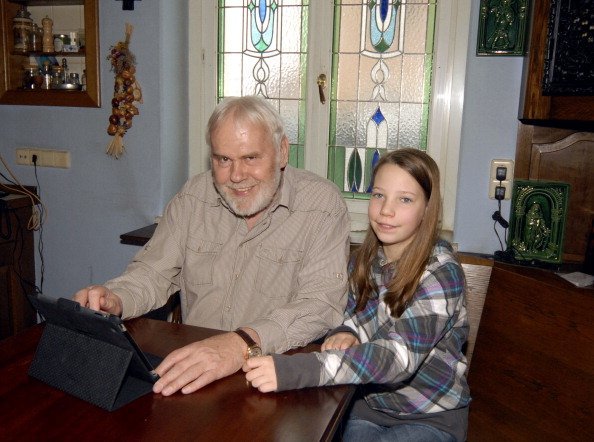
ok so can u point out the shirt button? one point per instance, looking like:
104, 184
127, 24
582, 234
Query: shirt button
236, 276
227, 308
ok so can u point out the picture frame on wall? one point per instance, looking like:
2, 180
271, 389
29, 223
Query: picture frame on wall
537, 221
502, 27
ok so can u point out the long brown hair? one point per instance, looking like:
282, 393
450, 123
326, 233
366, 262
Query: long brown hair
413, 261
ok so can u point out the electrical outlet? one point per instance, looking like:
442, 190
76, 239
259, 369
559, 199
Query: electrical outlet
507, 185
507, 164
45, 157
501, 169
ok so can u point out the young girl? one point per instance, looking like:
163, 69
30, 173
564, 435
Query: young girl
405, 322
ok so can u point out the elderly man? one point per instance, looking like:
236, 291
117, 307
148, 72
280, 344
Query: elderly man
257, 248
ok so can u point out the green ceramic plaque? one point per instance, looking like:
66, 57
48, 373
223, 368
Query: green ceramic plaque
537, 224
502, 27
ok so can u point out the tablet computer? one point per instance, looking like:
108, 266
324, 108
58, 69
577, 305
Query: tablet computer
102, 326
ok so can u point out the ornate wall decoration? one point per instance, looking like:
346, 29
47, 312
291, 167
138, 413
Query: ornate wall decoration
569, 60
502, 27
537, 225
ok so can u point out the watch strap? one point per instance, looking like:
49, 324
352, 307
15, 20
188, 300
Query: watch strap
247, 338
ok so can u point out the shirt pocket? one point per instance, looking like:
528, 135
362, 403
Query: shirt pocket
277, 271
198, 267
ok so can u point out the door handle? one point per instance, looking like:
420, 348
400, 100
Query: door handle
321, 87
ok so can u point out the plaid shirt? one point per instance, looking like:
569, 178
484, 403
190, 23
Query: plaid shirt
412, 364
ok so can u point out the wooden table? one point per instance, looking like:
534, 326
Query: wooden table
226, 410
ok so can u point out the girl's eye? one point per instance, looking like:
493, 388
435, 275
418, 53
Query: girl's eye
406, 200
376, 195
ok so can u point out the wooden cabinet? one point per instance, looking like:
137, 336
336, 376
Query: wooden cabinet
11, 68
575, 110
17, 265
532, 371
566, 155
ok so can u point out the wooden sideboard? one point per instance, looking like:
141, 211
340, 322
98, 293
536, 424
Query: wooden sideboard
17, 265
532, 371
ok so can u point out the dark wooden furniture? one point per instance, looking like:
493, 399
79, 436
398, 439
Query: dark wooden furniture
225, 410
556, 134
138, 237
535, 107
532, 372
17, 265
545, 153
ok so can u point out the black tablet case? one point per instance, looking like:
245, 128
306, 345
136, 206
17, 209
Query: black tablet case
87, 355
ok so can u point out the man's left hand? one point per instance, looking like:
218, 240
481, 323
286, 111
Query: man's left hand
198, 364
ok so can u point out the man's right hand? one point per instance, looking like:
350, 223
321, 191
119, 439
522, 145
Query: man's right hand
98, 297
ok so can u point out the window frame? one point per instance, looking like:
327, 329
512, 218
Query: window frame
447, 102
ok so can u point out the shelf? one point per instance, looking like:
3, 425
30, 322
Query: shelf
81, 53
11, 66
48, 2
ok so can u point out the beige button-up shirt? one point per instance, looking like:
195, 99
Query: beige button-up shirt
285, 278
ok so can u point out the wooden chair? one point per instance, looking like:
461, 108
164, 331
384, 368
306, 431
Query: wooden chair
478, 273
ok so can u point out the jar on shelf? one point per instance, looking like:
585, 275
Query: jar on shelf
32, 78
22, 26
57, 76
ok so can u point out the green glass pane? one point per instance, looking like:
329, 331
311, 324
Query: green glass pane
355, 171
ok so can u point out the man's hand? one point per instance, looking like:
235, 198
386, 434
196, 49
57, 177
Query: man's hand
198, 364
340, 341
260, 372
99, 298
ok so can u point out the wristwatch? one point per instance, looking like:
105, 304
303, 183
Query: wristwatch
253, 349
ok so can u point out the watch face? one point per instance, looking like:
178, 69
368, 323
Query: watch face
254, 351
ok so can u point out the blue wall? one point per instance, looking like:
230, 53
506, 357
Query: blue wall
98, 198
489, 130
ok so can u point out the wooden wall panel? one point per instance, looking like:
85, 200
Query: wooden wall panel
551, 154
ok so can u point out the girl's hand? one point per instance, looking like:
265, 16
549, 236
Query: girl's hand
260, 373
340, 341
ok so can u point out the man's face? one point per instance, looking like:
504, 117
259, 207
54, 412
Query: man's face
246, 167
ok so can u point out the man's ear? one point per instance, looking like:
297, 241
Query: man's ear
284, 152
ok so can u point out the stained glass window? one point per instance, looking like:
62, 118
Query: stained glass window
262, 51
380, 80
382, 60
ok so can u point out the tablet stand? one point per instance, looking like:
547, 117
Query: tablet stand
92, 370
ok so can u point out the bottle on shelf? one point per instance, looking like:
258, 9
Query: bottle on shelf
48, 35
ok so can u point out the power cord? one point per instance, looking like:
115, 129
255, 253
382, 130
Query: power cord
35, 222
497, 217
40, 242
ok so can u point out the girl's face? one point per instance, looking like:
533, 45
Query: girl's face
396, 209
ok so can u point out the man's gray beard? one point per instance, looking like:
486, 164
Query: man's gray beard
261, 201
